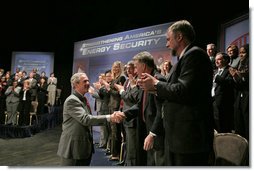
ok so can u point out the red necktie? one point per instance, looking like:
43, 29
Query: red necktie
88, 105
126, 84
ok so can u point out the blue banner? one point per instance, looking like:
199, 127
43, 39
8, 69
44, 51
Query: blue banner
140, 39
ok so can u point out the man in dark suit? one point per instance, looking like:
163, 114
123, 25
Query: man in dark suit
129, 96
211, 52
150, 131
223, 93
187, 108
76, 142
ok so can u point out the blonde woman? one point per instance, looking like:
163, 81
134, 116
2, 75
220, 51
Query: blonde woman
114, 105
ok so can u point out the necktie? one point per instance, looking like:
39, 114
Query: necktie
220, 71
214, 83
126, 85
144, 104
231, 60
90, 128
88, 105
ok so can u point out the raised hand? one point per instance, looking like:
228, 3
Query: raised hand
147, 82
97, 85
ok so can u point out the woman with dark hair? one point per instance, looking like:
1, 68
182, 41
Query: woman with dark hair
241, 80
42, 95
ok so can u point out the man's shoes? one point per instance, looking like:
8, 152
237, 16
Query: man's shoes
121, 163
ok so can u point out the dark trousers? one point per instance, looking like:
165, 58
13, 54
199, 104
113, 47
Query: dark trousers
131, 146
155, 157
24, 109
187, 159
74, 162
116, 139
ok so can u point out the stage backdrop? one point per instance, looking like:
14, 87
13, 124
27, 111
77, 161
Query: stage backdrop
235, 32
95, 56
26, 61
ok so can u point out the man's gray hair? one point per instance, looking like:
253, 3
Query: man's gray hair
145, 58
184, 27
76, 78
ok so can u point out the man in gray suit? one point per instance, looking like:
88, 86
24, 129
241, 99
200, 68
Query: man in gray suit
76, 142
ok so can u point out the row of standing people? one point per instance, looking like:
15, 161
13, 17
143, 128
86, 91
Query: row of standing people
229, 102
230, 90
18, 92
178, 109
110, 101
115, 93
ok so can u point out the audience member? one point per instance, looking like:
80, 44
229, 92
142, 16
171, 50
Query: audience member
25, 99
223, 93
211, 52
232, 51
105, 97
166, 66
97, 107
3, 87
129, 96
36, 75
12, 102
1, 72
43, 75
52, 84
187, 110
8, 79
42, 96
150, 131
114, 105
33, 86
241, 80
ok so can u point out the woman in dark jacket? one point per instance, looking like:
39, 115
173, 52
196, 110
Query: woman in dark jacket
42, 95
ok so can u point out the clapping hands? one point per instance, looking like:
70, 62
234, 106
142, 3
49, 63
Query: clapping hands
147, 82
118, 87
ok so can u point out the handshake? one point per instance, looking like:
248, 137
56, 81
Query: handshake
117, 117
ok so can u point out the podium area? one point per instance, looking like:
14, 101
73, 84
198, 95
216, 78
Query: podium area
43, 122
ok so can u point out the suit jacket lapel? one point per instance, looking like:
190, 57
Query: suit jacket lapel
173, 70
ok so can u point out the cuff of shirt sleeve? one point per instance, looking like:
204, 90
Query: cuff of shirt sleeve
121, 91
153, 134
156, 82
108, 118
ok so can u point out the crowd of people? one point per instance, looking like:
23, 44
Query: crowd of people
17, 92
148, 115
166, 115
